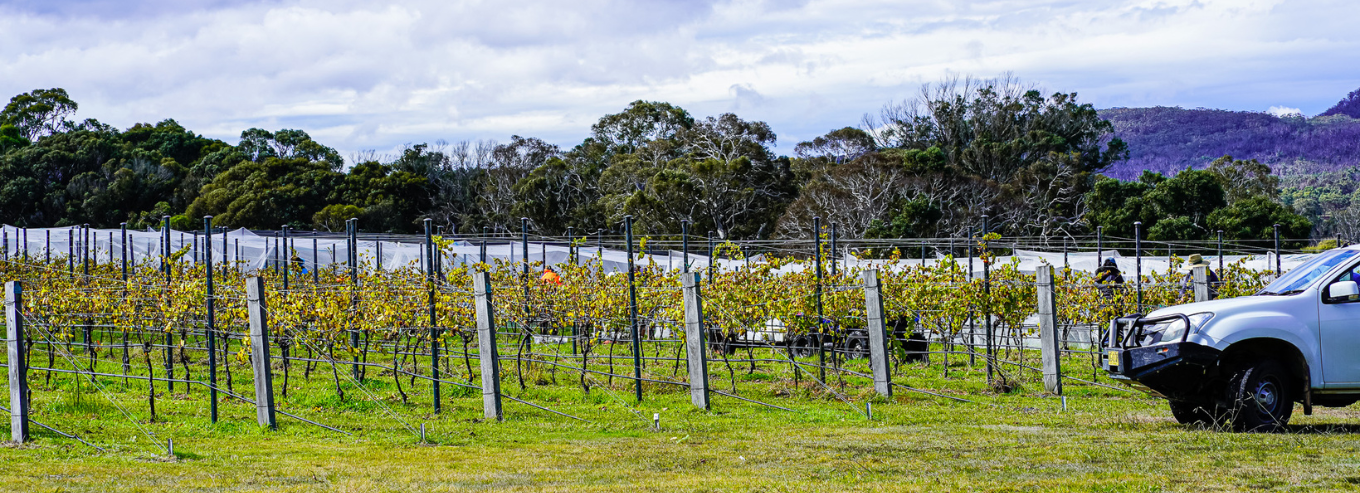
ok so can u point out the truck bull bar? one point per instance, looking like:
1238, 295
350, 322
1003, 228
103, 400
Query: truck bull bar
1164, 369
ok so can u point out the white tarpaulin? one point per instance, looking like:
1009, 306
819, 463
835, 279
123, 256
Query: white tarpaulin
253, 251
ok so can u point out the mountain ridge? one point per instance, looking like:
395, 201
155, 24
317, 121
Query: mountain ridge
1169, 139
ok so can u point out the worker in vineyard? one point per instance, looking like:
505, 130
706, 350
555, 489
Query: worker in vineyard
550, 276
1188, 282
1108, 278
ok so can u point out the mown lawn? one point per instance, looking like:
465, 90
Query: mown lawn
1024, 441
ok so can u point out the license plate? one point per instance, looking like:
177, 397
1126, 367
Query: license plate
1114, 358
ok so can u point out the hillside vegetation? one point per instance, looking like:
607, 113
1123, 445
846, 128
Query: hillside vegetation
1317, 159
1168, 140
927, 167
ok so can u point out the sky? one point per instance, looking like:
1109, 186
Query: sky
375, 76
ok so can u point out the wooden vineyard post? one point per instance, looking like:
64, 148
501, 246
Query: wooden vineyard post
1049, 349
259, 353
486, 346
1200, 278
694, 340
18, 368
878, 335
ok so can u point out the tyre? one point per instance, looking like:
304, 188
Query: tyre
804, 346
720, 343
1196, 413
1260, 397
857, 345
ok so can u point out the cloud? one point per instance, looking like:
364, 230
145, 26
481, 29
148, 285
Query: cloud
367, 75
1282, 111
746, 96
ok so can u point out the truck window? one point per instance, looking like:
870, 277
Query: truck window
1351, 274
1300, 277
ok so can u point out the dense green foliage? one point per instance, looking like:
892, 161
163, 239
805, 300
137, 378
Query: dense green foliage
927, 167
1231, 195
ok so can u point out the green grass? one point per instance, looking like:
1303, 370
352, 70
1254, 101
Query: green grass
1020, 441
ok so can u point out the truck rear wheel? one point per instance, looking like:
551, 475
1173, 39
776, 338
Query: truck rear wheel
1260, 397
857, 345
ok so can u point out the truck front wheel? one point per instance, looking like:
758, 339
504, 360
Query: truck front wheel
1260, 398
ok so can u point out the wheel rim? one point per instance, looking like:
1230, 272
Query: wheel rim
1267, 397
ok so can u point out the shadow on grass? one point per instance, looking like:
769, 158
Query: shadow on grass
1324, 429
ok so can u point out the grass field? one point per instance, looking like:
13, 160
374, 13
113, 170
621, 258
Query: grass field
1106, 440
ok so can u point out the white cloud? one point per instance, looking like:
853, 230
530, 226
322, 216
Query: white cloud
364, 75
1281, 111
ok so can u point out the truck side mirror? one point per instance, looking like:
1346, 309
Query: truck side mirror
1343, 291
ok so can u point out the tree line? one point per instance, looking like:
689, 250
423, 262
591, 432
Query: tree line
929, 166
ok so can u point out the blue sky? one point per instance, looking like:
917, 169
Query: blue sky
377, 75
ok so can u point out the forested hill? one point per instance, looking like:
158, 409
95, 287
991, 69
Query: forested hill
1166, 140
929, 167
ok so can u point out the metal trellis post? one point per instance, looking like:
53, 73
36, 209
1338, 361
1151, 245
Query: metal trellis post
169, 336
684, 246
1138, 262
817, 267
352, 260
430, 277
987, 304
1220, 254
211, 327
1277, 251
632, 309
831, 252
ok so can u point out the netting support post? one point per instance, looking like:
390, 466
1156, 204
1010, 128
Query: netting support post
356, 370
633, 308
1199, 277
487, 355
259, 352
1049, 349
210, 326
695, 343
878, 334
18, 368
431, 277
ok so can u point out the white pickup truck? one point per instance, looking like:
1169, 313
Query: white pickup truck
1245, 361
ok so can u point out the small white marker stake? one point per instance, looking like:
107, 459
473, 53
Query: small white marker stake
656, 421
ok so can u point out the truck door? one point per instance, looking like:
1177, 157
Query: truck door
1339, 334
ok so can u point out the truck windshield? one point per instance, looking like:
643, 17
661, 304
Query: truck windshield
1300, 277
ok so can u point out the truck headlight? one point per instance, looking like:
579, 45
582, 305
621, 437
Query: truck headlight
1172, 330
1198, 320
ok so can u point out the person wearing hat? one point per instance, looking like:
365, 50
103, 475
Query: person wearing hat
550, 276
1196, 260
1108, 277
